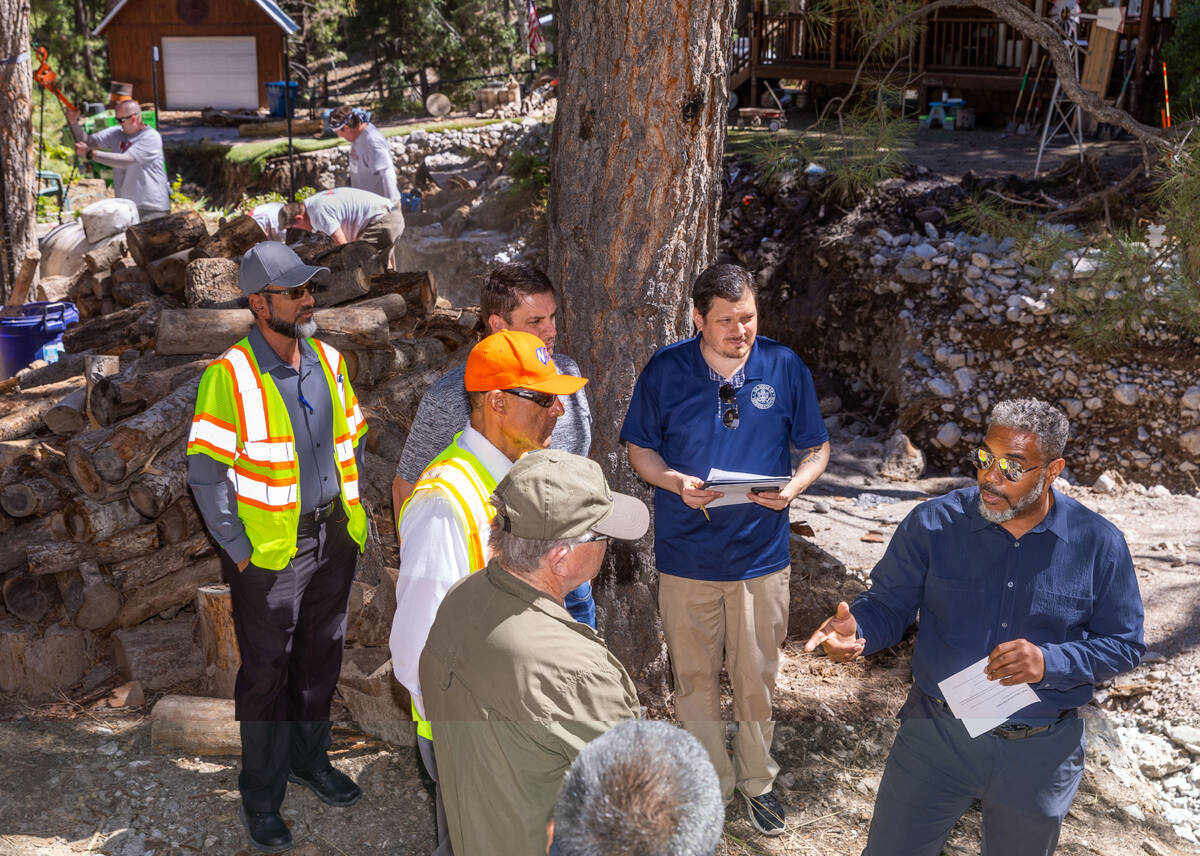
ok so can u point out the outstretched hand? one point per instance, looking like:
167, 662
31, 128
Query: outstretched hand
838, 635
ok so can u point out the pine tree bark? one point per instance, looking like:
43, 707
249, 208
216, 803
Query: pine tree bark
84, 31
634, 207
17, 182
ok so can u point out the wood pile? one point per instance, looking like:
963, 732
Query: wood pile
102, 550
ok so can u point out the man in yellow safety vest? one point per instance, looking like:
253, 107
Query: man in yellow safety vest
273, 461
513, 387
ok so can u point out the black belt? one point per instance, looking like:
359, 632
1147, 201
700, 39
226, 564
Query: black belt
1018, 730
319, 514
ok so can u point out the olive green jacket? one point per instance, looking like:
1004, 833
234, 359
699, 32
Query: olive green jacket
515, 688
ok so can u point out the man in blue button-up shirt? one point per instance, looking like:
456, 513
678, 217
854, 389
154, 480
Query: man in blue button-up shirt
1045, 589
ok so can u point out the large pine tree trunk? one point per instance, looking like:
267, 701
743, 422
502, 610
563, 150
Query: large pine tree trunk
17, 209
636, 160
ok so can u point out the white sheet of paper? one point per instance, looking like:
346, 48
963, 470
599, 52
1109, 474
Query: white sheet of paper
732, 497
982, 704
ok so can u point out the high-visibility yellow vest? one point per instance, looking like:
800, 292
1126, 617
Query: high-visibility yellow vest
464, 480
242, 422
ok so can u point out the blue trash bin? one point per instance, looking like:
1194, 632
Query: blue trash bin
35, 334
275, 99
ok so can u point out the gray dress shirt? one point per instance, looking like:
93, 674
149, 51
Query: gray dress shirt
306, 396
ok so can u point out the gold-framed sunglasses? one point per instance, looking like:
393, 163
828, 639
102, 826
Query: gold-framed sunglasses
982, 459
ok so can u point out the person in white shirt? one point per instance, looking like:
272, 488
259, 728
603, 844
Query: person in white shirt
443, 527
347, 214
371, 165
266, 216
135, 152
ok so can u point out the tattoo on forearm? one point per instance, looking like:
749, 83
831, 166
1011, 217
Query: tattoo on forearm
809, 454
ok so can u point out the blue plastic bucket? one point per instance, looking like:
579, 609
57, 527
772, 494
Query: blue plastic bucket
35, 334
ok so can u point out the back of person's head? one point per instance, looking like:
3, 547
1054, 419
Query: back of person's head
347, 116
641, 789
729, 282
507, 285
288, 214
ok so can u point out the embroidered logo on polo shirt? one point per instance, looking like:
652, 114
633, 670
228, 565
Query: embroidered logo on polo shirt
762, 396
544, 356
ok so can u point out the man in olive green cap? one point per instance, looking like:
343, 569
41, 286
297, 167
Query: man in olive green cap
513, 685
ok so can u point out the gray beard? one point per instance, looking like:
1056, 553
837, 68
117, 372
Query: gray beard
303, 330
1021, 504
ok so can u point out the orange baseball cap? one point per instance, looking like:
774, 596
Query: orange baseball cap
514, 360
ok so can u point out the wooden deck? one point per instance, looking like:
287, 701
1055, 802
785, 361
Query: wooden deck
963, 50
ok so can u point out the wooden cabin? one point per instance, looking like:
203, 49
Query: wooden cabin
212, 53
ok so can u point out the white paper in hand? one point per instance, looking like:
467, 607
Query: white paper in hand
982, 704
735, 486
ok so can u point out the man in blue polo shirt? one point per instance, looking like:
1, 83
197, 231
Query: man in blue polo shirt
729, 400
1024, 576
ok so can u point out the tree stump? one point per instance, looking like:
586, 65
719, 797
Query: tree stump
139, 438
231, 240
28, 597
91, 521
161, 482
174, 589
168, 273
212, 331
179, 521
214, 617
115, 398
155, 239
188, 725
160, 655
212, 283
91, 601
29, 497
67, 417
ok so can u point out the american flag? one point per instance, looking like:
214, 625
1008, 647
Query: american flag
535, 28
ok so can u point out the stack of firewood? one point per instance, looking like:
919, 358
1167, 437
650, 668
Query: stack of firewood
102, 550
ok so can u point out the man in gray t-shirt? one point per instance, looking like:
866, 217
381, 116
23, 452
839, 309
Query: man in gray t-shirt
372, 166
135, 153
515, 297
348, 214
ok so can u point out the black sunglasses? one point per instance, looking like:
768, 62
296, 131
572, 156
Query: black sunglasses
730, 417
295, 293
541, 399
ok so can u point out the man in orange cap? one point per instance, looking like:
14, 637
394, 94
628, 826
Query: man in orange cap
513, 387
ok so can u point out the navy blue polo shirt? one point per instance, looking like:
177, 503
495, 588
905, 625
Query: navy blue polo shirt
676, 411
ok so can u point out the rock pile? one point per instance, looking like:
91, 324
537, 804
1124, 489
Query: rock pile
943, 324
1165, 755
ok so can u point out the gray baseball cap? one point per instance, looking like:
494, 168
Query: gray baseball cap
550, 495
273, 263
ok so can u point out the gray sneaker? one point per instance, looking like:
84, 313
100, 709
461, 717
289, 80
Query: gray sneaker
765, 812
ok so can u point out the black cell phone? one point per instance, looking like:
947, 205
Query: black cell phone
764, 489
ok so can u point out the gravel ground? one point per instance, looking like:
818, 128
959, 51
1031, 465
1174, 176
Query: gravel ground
83, 779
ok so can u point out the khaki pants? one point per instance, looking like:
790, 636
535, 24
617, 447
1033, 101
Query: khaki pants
739, 625
384, 233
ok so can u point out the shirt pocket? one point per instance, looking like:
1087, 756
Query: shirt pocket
956, 609
1056, 616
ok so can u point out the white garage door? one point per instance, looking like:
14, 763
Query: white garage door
210, 71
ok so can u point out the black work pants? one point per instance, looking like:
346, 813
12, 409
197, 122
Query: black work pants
290, 626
